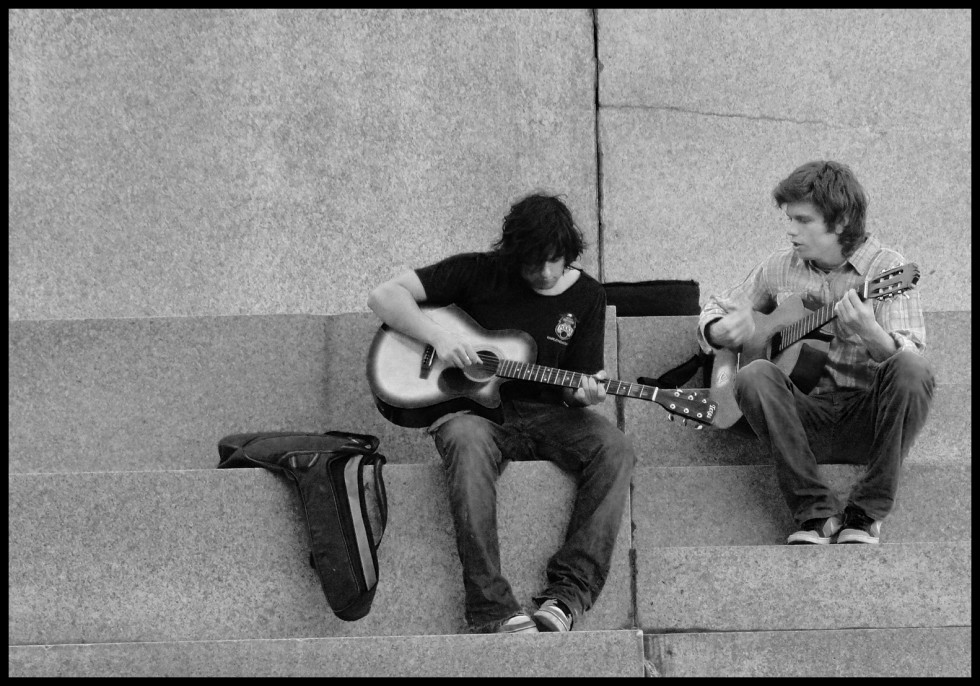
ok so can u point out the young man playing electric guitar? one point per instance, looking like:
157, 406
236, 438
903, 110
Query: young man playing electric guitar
874, 388
527, 282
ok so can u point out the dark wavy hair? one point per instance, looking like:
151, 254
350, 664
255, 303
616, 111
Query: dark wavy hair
539, 228
835, 192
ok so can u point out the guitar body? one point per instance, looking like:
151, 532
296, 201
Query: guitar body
412, 387
409, 392
779, 337
802, 361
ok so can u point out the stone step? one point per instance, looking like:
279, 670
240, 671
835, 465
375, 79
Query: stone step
788, 588
902, 652
743, 506
946, 438
222, 554
578, 654
159, 393
108, 557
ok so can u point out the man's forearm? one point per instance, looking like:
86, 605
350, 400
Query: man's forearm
398, 309
880, 344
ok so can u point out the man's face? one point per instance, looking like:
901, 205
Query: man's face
810, 237
543, 276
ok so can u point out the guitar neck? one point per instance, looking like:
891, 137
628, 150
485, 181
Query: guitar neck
511, 369
687, 404
889, 283
802, 327
813, 321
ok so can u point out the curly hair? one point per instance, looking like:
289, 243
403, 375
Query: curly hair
835, 192
539, 228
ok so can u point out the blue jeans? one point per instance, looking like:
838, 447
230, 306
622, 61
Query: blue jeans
874, 427
475, 452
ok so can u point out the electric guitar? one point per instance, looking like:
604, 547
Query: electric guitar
779, 337
413, 387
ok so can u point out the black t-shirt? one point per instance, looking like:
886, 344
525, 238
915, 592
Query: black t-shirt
567, 328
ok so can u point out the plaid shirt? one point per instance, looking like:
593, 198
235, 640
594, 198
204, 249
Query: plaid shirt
783, 274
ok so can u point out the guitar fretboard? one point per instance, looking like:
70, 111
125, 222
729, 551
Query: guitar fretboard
889, 283
559, 377
800, 328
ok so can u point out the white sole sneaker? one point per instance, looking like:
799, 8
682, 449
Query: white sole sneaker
518, 624
550, 617
861, 536
821, 537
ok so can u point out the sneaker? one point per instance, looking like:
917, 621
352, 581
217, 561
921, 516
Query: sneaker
859, 527
518, 624
816, 531
553, 615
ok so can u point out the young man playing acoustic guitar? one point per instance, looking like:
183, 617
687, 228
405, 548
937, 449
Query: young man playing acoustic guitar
528, 282
875, 388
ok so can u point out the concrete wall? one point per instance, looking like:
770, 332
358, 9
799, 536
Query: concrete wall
703, 112
216, 162
221, 162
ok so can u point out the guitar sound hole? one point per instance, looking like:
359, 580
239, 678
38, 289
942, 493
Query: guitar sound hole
485, 369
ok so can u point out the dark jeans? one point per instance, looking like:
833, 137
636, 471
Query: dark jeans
876, 427
580, 441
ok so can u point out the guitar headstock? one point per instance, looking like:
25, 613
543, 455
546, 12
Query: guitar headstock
690, 404
892, 282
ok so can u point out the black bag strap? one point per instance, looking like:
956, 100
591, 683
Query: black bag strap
679, 376
376, 463
379, 462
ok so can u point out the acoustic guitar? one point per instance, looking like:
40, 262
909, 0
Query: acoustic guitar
790, 338
413, 387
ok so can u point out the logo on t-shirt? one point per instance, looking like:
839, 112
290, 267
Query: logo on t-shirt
566, 326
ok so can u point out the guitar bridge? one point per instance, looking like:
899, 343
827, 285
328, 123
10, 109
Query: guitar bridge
428, 359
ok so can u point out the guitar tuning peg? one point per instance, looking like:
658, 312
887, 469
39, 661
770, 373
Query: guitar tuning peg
699, 427
670, 418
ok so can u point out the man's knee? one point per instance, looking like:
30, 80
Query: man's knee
617, 449
466, 439
909, 374
620, 448
465, 428
755, 376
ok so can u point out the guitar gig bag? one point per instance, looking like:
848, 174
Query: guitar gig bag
654, 298
339, 479
663, 298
